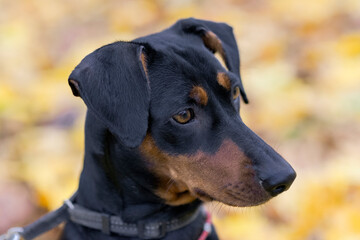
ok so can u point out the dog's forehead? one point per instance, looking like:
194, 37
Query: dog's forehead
176, 65
183, 82
176, 80
181, 68
187, 50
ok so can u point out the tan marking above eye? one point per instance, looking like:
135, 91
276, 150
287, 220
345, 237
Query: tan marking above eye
199, 95
236, 92
184, 116
223, 80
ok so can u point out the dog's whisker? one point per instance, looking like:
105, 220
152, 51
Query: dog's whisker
170, 184
169, 181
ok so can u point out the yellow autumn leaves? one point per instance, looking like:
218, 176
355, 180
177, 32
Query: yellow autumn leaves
300, 64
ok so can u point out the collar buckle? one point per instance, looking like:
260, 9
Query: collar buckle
146, 231
13, 234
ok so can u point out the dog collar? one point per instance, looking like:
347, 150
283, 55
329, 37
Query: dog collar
144, 230
106, 223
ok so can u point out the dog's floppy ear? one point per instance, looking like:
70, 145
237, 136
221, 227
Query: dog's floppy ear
217, 37
113, 83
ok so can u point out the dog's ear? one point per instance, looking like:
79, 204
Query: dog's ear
114, 85
217, 37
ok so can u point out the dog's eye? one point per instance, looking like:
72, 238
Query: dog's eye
236, 92
184, 116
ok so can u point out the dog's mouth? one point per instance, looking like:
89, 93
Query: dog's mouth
237, 200
231, 198
236, 195
202, 195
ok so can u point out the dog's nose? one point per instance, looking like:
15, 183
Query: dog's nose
279, 182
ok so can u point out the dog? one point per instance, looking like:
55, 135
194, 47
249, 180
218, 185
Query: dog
163, 134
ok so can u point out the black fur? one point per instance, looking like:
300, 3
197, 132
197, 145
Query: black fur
124, 104
112, 83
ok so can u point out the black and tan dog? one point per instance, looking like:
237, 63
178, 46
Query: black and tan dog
163, 133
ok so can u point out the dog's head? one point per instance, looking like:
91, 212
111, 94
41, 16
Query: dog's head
168, 97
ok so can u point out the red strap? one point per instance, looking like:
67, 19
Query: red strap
207, 227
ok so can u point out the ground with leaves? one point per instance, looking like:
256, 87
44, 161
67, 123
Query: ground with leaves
300, 67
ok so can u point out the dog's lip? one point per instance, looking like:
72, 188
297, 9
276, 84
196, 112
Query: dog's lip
183, 193
202, 195
228, 199
243, 201
247, 204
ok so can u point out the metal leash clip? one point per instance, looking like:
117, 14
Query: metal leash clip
13, 234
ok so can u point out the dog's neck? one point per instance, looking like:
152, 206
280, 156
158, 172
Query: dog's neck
115, 181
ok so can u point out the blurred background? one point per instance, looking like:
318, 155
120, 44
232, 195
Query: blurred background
300, 67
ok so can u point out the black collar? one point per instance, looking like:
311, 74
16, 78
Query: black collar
103, 222
142, 229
